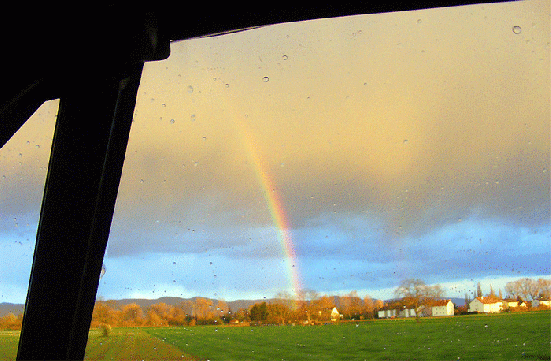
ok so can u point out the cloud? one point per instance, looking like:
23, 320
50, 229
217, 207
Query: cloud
402, 149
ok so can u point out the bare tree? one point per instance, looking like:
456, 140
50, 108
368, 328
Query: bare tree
525, 288
544, 288
415, 293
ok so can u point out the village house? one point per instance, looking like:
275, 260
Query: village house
335, 315
541, 303
511, 302
396, 311
406, 312
387, 313
443, 308
486, 305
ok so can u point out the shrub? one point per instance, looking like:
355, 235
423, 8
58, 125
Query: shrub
105, 329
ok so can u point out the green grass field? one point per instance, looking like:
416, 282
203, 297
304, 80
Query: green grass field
519, 336
516, 336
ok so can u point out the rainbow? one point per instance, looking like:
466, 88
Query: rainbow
277, 212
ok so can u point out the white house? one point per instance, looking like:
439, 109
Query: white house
388, 313
443, 308
485, 304
544, 303
335, 315
396, 311
511, 302
407, 312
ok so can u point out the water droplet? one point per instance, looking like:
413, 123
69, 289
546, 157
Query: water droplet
517, 29
265, 79
285, 57
419, 21
172, 121
189, 89
227, 85
405, 141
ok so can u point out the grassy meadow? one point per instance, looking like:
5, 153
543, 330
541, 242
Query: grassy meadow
514, 336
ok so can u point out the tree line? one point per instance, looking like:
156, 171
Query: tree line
203, 311
523, 289
308, 307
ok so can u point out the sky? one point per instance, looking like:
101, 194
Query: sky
330, 155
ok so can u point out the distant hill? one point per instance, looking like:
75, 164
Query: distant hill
6, 308
177, 301
458, 301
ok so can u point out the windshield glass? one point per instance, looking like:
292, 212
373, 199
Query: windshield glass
344, 158
339, 155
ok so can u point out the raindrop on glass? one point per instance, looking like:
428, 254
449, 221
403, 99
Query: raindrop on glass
189, 89
265, 79
285, 57
517, 29
172, 121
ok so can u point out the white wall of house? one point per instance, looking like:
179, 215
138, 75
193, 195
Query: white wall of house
387, 313
335, 315
477, 305
446, 310
538, 303
493, 307
512, 303
408, 312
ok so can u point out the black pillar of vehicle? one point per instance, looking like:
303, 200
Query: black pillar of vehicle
85, 167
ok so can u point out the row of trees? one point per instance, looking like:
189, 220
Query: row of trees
11, 322
199, 311
311, 308
523, 289
529, 289
314, 309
